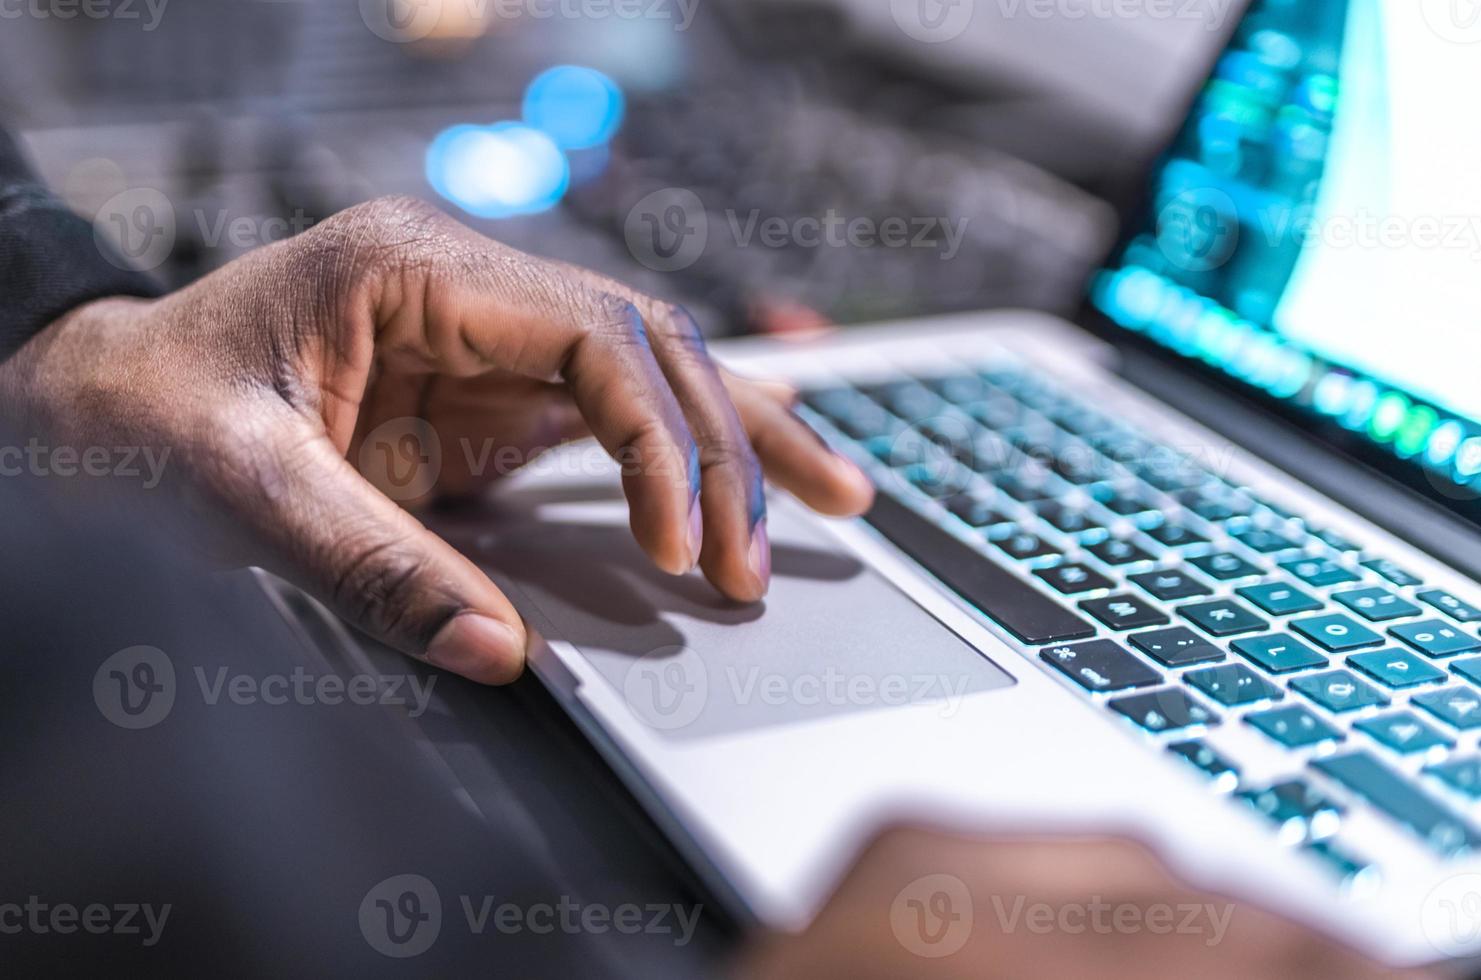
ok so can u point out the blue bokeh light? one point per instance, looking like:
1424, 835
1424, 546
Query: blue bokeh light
498, 171
578, 107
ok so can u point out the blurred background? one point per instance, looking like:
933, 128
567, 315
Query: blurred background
772, 164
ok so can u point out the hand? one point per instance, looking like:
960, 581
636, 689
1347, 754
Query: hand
263, 378
1041, 908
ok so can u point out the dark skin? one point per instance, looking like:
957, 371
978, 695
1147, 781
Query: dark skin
267, 379
262, 377
857, 934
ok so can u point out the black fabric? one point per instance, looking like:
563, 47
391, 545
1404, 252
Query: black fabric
50, 261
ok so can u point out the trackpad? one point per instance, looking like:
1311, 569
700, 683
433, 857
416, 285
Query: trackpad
832, 637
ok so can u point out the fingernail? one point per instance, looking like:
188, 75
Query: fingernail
758, 559
696, 533
854, 473
479, 648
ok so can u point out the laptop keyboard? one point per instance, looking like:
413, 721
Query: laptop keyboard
1179, 601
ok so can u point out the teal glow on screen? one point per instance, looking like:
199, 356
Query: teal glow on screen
1316, 227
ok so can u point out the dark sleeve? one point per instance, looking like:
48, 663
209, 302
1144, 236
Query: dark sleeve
50, 262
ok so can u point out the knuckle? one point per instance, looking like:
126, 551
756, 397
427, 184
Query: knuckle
383, 587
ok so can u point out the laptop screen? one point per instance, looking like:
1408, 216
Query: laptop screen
1315, 228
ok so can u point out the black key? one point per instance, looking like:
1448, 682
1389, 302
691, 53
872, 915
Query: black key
1298, 808
1116, 551
1335, 541
1293, 725
975, 511
1319, 572
1175, 535
1467, 667
937, 479
1176, 647
1120, 501
1014, 604
1338, 691
1396, 668
1348, 867
1222, 617
907, 399
1024, 488
1377, 605
1164, 710
1023, 545
1402, 731
1067, 519
1170, 584
1462, 612
1224, 566
1232, 684
1459, 707
1124, 612
1365, 776
1264, 540
1336, 632
1074, 578
1392, 572
1435, 638
1462, 775
1279, 599
1100, 665
1278, 653
1197, 754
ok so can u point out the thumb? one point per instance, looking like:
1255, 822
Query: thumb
377, 566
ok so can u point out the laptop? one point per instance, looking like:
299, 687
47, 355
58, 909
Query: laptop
1202, 567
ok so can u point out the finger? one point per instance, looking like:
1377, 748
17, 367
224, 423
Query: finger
736, 553
375, 564
794, 456
436, 296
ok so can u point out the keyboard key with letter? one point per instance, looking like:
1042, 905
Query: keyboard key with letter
1278, 653
1222, 617
1336, 633
1396, 668
1436, 639
1100, 665
1338, 691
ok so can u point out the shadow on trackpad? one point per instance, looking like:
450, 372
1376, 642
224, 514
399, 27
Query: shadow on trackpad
832, 637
